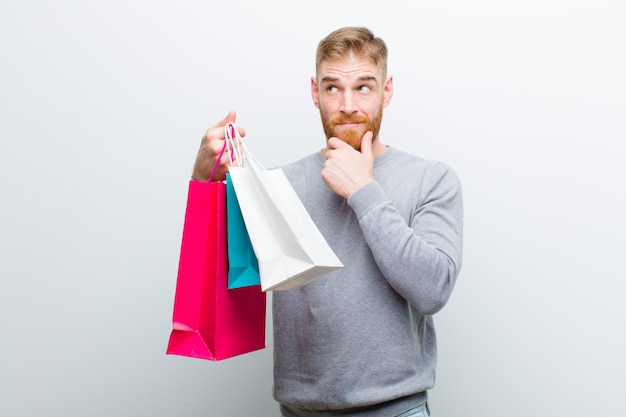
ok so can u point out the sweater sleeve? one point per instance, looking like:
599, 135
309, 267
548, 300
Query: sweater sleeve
420, 259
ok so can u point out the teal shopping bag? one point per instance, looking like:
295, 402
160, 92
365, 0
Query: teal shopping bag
243, 267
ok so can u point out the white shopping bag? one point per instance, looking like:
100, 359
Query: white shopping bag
289, 247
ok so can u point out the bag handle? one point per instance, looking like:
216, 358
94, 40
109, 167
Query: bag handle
229, 135
237, 147
234, 143
219, 158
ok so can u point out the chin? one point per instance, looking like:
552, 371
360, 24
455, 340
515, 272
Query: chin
351, 136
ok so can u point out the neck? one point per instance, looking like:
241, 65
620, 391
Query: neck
378, 148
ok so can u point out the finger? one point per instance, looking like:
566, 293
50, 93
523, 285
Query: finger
217, 130
366, 144
336, 143
230, 118
241, 130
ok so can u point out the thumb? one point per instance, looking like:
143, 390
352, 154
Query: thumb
230, 117
366, 144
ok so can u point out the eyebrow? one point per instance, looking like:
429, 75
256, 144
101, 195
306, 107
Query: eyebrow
331, 79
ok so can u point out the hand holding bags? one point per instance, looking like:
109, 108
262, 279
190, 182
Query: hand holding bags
289, 247
209, 320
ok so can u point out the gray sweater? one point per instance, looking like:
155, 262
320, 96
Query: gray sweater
360, 341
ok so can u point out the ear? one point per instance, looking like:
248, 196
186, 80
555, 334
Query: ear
315, 92
388, 91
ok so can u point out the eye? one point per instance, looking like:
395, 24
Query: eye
331, 89
364, 89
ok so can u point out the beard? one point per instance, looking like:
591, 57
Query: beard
352, 136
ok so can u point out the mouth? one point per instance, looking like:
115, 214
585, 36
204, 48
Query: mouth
348, 125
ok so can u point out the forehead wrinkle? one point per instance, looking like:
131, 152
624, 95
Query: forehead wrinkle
350, 68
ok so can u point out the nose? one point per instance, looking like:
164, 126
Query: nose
348, 103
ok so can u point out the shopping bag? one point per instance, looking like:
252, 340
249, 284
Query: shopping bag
243, 267
209, 320
290, 249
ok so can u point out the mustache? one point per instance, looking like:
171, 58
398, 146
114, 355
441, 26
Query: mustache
350, 119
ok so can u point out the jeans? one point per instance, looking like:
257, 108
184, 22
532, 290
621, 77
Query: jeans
419, 411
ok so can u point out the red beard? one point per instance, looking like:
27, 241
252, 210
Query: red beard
352, 136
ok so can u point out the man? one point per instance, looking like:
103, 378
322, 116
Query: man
360, 341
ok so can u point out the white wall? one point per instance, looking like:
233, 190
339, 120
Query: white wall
103, 104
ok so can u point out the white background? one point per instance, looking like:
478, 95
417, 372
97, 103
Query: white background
102, 107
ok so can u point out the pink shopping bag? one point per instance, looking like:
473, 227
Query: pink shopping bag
211, 321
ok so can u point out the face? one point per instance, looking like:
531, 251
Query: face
350, 94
